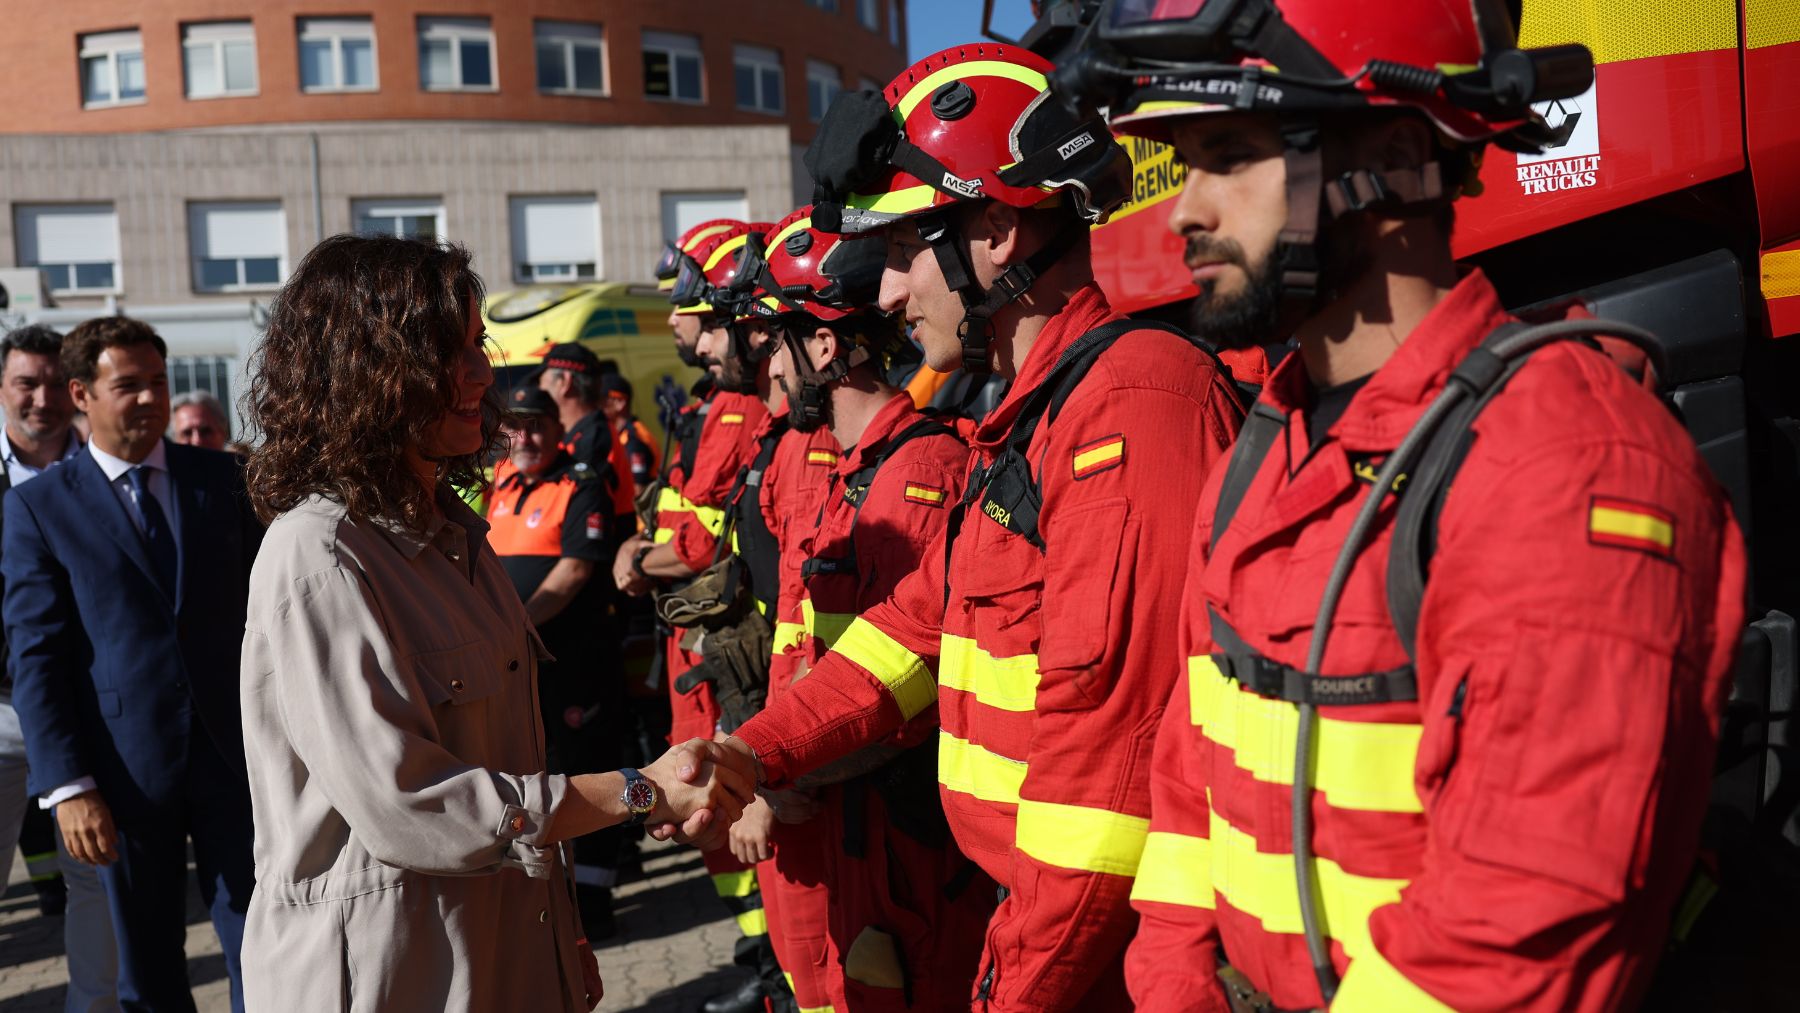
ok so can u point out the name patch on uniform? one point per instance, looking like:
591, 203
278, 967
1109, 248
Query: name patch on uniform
731, 419
593, 527
1103, 454
821, 457
929, 495
1627, 524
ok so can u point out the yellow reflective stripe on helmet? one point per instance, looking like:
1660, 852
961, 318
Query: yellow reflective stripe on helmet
694, 309
710, 518
1175, 869
788, 634
1372, 985
894, 202
666, 285
1008, 684
900, 670
793, 227
735, 884
1361, 764
728, 246
1081, 837
958, 71
966, 767
824, 626
1261, 884
754, 922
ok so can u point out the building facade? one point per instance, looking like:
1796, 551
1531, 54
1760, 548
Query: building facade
175, 158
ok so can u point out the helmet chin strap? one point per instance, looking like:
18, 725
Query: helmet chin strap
976, 330
812, 408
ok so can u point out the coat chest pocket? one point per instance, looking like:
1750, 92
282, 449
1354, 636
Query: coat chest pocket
459, 675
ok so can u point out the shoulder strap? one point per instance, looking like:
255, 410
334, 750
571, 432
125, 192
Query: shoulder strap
856, 492
1261, 428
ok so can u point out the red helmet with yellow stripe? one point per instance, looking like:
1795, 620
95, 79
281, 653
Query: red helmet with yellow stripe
668, 268
711, 267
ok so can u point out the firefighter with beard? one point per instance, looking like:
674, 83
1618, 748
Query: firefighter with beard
1380, 787
1030, 626
907, 910
725, 445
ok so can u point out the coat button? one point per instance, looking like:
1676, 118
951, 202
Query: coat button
513, 665
518, 824
543, 916
457, 685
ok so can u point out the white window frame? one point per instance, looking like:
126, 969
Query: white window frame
525, 272
110, 46
676, 46
868, 13
216, 36
336, 31
671, 201
759, 59
23, 232
569, 36
398, 207
456, 31
827, 76
197, 211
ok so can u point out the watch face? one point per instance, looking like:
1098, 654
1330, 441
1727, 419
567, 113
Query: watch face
640, 796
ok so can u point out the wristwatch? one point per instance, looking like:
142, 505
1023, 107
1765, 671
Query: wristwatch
639, 796
637, 561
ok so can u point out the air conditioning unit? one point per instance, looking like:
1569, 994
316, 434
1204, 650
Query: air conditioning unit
22, 292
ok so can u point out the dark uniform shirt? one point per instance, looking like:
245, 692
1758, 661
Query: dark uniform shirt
536, 522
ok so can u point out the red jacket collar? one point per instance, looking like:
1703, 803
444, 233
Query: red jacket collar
894, 416
1085, 310
1397, 394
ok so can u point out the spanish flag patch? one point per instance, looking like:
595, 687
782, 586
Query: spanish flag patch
929, 495
731, 419
1627, 524
821, 457
1104, 454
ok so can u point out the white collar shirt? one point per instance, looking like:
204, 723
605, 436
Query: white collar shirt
156, 482
18, 472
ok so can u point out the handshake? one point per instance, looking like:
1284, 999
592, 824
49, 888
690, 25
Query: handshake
702, 787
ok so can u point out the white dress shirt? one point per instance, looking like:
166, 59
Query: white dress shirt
157, 485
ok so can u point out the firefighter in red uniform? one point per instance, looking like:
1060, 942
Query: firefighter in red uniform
1034, 639
634, 456
907, 910
726, 444
1489, 784
548, 519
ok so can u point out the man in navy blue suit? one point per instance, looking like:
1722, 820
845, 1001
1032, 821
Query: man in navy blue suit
126, 572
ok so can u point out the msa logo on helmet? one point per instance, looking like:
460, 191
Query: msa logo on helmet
966, 187
1068, 150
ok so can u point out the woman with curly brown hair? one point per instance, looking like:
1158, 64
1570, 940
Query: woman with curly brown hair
407, 838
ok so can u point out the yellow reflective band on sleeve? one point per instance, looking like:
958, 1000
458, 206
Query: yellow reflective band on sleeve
1175, 869
663, 536
962, 71
1008, 684
787, 635
735, 884
710, 518
1372, 985
900, 670
1361, 764
824, 626
1082, 837
972, 770
1261, 884
754, 922
668, 498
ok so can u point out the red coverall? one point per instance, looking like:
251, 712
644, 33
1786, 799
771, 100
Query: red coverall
1516, 838
1052, 675
793, 880
897, 885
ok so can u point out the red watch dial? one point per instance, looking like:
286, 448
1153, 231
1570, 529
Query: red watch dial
640, 796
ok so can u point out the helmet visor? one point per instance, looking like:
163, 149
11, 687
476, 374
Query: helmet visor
1137, 12
690, 283
669, 264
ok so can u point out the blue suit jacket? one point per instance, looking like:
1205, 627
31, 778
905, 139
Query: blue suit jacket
111, 677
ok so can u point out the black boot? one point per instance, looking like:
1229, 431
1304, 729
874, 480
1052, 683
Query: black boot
746, 998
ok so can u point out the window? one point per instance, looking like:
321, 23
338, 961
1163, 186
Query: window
337, 54
415, 217
869, 13
210, 373
556, 238
456, 54
76, 246
683, 211
823, 83
571, 58
894, 21
759, 81
112, 68
219, 59
238, 245
672, 67
869, 84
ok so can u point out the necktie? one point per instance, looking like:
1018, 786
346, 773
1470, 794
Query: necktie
154, 525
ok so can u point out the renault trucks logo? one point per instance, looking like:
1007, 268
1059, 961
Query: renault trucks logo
966, 187
1068, 150
1572, 161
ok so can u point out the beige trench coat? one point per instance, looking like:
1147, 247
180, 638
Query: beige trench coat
396, 764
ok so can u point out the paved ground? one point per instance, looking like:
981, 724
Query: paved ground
673, 949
